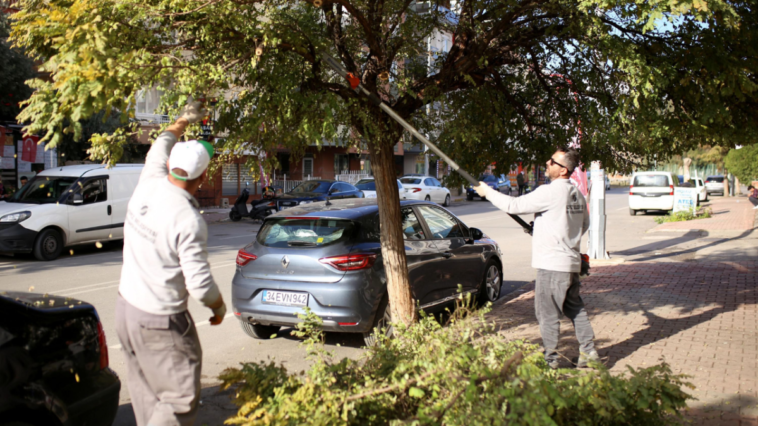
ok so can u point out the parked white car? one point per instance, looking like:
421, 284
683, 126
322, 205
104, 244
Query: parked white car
66, 206
425, 188
652, 191
702, 191
715, 184
368, 187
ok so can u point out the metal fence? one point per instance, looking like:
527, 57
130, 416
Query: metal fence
352, 176
288, 184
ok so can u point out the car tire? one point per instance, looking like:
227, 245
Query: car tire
235, 216
48, 245
469, 198
705, 200
382, 323
259, 331
484, 198
428, 198
632, 212
492, 283
447, 201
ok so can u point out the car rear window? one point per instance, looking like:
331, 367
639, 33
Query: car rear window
651, 180
304, 232
410, 181
715, 179
487, 178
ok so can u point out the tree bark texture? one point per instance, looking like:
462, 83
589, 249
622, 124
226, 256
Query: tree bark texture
402, 304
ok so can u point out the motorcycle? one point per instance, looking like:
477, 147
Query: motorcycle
259, 210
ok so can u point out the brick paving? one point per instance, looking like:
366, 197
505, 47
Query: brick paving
700, 317
729, 214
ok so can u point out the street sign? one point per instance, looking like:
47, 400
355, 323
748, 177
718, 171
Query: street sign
685, 199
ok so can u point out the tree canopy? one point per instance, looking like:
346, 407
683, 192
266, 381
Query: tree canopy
743, 163
15, 69
520, 77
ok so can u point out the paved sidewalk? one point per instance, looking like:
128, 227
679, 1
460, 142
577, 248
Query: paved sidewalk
729, 214
700, 317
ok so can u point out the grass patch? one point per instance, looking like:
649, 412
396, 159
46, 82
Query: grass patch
684, 216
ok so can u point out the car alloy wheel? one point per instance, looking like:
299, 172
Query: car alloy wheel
491, 285
382, 323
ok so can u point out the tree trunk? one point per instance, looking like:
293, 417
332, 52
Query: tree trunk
402, 304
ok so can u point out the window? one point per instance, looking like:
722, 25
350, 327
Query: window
320, 187
307, 167
412, 229
435, 182
410, 181
341, 164
442, 224
229, 181
95, 191
316, 232
428, 182
43, 189
651, 181
346, 187
366, 184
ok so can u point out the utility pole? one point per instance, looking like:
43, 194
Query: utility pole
597, 213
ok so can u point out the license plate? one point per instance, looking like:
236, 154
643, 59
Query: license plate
285, 298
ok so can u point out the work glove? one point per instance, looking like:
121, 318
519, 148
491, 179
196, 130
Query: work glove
194, 112
218, 314
481, 189
585, 271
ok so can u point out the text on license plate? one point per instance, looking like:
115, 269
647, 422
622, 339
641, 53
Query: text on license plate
286, 298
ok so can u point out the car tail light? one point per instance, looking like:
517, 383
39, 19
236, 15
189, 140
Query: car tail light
415, 189
672, 189
272, 204
349, 324
243, 257
630, 189
351, 262
103, 346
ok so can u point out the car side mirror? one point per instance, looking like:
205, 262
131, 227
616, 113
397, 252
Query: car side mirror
77, 198
476, 234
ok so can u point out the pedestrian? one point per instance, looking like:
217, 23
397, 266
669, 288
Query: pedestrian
165, 261
520, 182
23, 180
752, 196
561, 218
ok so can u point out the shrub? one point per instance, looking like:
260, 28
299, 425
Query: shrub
682, 216
463, 373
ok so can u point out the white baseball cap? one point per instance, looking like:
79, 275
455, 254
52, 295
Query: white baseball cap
192, 157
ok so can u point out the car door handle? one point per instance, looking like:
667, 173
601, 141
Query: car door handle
110, 210
447, 255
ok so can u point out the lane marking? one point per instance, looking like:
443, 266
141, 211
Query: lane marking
199, 324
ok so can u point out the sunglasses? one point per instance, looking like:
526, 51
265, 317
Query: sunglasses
557, 163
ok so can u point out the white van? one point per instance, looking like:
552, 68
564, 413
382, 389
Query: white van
66, 206
652, 191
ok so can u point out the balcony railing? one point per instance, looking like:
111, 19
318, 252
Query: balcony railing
151, 118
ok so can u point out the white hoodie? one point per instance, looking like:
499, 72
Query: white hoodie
561, 220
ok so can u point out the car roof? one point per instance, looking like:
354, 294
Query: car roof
351, 208
653, 172
81, 169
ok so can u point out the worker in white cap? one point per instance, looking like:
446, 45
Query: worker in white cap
165, 262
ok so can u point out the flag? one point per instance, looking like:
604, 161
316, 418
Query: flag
29, 152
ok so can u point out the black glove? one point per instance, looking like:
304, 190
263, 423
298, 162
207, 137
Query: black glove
585, 271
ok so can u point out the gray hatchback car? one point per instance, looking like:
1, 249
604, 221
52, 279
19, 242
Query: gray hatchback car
328, 258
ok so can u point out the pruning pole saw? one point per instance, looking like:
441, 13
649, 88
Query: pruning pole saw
355, 84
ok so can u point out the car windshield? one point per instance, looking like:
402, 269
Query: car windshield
410, 181
366, 185
312, 186
43, 190
304, 232
718, 179
651, 180
487, 178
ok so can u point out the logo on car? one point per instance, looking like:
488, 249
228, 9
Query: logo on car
285, 262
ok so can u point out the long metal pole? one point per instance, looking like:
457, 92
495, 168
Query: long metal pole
337, 67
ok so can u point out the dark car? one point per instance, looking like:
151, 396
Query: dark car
490, 180
328, 258
54, 363
317, 190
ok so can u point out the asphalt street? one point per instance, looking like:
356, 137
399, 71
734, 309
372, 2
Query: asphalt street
92, 274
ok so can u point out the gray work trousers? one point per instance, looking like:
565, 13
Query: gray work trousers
164, 360
557, 294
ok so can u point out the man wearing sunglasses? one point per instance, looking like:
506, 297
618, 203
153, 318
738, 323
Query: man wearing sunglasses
561, 218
